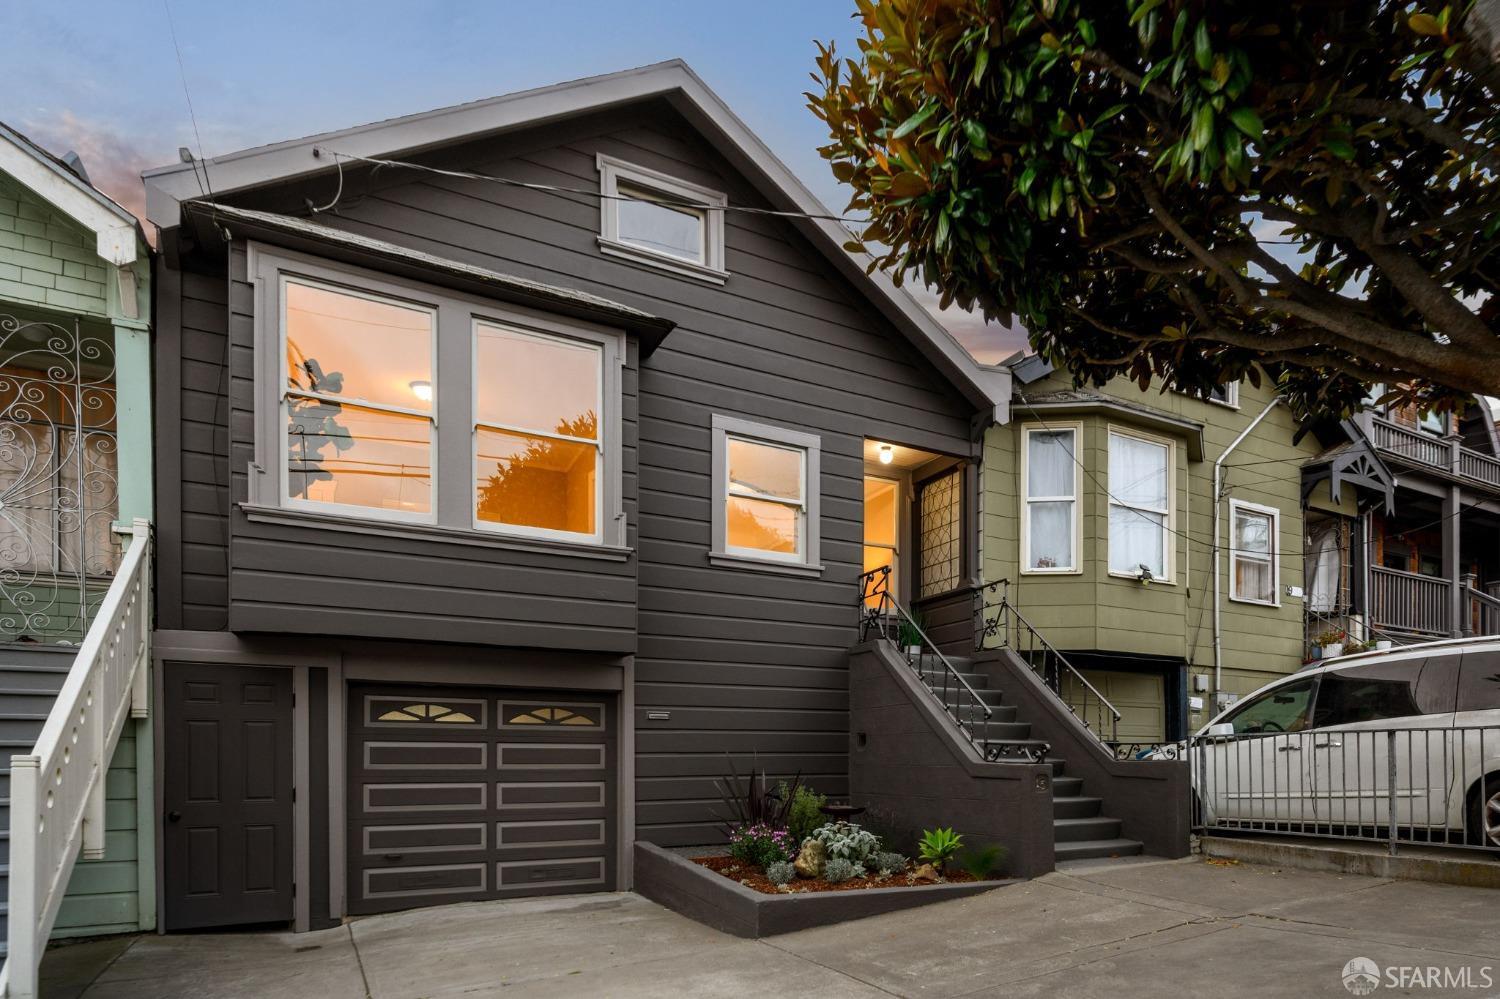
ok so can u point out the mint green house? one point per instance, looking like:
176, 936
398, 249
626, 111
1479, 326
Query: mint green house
1099, 509
75, 496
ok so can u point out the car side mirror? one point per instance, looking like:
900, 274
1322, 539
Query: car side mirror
1220, 731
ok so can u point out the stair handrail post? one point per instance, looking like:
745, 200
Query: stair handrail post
21, 979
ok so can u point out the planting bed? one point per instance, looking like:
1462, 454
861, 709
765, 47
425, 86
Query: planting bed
752, 877
695, 889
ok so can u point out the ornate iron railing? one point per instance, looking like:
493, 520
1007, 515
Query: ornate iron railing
57, 790
884, 618
58, 478
998, 624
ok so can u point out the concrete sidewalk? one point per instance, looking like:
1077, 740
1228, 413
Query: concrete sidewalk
1115, 930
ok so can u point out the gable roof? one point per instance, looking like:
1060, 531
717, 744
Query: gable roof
169, 186
118, 235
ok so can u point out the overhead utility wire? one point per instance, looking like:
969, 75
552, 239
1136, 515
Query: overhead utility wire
1206, 546
666, 200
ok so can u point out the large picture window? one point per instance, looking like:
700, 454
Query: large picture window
537, 450
358, 400
765, 482
1140, 490
1254, 571
1049, 532
387, 400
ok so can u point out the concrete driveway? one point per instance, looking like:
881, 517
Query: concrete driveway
1114, 930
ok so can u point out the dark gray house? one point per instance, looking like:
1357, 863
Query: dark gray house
493, 513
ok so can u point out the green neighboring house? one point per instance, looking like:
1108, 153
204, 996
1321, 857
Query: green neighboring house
75, 471
1098, 511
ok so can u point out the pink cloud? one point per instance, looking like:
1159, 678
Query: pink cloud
988, 342
114, 162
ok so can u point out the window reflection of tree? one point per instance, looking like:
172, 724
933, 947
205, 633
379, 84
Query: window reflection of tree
531, 486
313, 426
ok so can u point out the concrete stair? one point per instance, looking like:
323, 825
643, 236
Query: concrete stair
1080, 829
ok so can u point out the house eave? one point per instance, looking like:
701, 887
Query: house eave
169, 186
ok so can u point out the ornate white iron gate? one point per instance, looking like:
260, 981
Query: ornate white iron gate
58, 478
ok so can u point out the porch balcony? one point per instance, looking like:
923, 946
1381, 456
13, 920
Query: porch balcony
1409, 603
1445, 455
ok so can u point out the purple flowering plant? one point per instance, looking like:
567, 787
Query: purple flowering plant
761, 844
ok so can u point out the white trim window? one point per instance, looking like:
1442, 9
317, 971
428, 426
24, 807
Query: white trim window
1254, 553
358, 400
1226, 395
766, 496
435, 413
1050, 514
1140, 505
652, 218
538, 443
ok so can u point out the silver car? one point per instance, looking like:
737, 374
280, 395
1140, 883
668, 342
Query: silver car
1403, 741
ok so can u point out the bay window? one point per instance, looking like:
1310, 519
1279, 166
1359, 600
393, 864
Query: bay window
1049, 530
1254, 569
388, 400
1140, 490
765, 496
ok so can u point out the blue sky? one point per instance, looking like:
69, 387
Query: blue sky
102, 78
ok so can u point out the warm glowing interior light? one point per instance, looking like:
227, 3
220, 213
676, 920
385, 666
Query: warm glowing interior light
422, 390
887, 455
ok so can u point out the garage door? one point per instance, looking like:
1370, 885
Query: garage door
464, 793
1139, 697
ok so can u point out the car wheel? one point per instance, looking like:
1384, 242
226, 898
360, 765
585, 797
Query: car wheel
1484, 813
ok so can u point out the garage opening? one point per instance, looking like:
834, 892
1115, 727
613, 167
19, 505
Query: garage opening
467, 793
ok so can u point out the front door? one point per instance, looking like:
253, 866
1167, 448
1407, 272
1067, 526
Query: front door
883, 531
227, 828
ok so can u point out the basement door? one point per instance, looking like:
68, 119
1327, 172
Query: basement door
464, 793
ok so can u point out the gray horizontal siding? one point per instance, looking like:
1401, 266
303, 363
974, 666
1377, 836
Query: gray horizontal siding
746, 663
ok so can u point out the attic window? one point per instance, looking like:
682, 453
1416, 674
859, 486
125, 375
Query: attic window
654, 219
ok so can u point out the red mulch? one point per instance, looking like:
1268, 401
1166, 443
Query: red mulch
753, 877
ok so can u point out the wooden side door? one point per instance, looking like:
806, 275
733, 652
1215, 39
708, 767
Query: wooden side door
227, 800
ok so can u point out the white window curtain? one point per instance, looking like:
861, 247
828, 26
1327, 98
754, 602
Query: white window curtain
1050, 498
1138, 505
1323, 570
1252, 556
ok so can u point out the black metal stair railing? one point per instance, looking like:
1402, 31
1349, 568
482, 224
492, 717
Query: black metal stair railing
882, 617
998, 624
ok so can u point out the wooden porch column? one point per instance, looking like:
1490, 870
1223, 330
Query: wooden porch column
1452, 563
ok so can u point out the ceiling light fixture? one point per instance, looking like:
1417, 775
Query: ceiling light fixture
422, 390
887, 454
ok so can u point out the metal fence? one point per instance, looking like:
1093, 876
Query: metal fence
1398, 786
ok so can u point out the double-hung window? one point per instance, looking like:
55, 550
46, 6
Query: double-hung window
765, 482
1049, 531
1140, 515
358, 400
387, 400
537, 446
1254, 571
662, 221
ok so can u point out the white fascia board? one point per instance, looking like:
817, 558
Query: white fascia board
168, 186
113, 227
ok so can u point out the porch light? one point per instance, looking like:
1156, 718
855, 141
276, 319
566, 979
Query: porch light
422, 390
887, 454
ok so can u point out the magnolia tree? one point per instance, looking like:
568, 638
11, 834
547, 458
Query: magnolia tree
1189, 191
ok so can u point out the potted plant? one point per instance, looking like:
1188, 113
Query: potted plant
909, 635
1331, 643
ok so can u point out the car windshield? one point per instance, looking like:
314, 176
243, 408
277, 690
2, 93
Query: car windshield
1283, 709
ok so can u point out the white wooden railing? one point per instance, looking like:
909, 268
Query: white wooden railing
1484, 612
1410, 602
57, 790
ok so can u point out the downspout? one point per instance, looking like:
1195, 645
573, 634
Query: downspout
1218, 520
